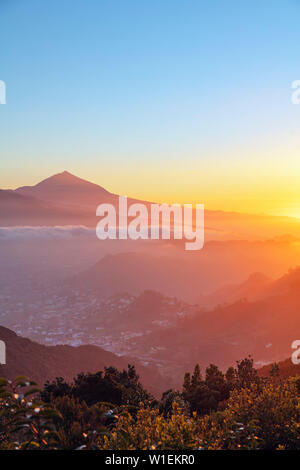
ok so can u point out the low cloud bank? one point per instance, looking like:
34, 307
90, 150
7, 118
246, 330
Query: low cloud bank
46, 233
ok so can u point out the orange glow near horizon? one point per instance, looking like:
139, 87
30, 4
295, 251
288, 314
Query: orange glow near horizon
273, 190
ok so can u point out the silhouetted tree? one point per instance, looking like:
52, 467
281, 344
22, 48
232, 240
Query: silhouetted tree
246, 374
55, 389
230, 378
275, 372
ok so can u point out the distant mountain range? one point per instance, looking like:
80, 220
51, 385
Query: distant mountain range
41, 363
65, 199
259, 317
239, 313
190, 276
264, 328
61, 199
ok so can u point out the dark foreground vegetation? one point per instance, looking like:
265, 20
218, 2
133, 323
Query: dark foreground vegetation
112, 410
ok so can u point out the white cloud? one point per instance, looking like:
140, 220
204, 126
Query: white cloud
46, 233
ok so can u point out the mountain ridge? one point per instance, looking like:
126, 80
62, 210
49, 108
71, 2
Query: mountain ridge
41, 363
65, 199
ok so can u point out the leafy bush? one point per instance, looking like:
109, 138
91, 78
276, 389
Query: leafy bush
25, 421
237, 410
117, 387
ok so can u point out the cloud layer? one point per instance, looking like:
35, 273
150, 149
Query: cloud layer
46, 233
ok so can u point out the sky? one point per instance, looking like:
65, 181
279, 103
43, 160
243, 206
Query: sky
164, 100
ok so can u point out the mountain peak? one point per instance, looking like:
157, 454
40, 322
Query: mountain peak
64, 178
65, 174
67, 188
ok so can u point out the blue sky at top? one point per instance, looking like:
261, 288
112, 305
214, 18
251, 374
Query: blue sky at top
114, 89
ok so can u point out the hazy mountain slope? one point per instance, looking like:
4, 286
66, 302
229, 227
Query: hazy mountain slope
134, 273
252, 289
61, 199
190, 276
286, 369
41, 363
27, 210
289, 282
